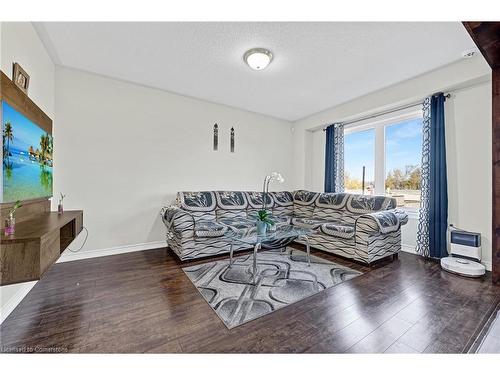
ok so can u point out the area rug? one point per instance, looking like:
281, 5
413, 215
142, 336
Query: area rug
282, 278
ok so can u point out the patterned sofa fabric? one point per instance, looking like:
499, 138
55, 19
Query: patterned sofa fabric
308, 223
209, 229
364, 228
238, 224
231, 204
280, 220
303, 202
382, 221
200, 204
256, 199
357, 205
255, 202
178, 221
277, 220
346, 231
283, 203
330, 206
363, 232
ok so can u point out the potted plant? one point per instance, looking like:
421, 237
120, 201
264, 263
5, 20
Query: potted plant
10, 223
263, 221
60, 208
263, 216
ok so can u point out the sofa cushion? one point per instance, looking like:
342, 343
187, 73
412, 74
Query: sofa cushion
201, 204
283, 203
231, 214
201, 201
307, 223
364, 204
231, 200
332, 200
338, 230
231, 205
330, 206
255, 200
282, 198
209, 229
303, 201
238, 225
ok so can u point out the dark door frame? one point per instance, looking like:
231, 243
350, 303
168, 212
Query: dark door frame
486, 35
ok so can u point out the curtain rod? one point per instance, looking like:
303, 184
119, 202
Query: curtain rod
386, 112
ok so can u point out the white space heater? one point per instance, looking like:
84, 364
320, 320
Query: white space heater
465, 254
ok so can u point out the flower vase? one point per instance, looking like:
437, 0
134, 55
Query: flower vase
261, 227
10, 226
60, 209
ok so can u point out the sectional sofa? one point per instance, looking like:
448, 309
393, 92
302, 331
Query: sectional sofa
360, 227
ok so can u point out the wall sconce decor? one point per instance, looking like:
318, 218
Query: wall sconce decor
216, 137
232, 139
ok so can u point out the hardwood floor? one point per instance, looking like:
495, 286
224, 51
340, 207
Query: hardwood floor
143, 302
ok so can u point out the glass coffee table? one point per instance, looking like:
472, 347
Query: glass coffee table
276, 239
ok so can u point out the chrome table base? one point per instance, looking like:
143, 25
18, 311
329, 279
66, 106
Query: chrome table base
258, 246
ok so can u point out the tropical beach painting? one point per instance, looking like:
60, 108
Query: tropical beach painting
26, 157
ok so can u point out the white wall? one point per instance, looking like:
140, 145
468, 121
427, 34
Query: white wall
468, 154
123, 150
468, 126
317, 173
20, 43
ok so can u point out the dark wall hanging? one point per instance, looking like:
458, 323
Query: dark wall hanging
232, 139
216, 137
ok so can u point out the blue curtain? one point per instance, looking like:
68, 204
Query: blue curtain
330, 160
438, 184
433, 218
334, 159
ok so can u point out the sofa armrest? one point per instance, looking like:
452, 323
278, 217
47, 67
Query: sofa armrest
381, 221
178, 220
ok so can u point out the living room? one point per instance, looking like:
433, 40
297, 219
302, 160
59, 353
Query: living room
179, 181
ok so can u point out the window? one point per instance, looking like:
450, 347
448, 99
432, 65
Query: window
390, 149
359, 148
403, 157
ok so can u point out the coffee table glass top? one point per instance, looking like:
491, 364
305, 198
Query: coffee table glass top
282, 232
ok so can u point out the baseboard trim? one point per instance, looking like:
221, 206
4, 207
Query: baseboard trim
487, 265
15, 300
69, 256
408, 249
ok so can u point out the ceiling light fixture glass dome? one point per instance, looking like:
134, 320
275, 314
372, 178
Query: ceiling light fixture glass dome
258, 58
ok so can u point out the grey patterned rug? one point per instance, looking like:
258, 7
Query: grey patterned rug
282, 279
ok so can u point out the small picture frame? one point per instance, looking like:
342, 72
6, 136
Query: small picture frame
20, 78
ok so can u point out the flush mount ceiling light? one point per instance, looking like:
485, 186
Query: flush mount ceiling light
258, 58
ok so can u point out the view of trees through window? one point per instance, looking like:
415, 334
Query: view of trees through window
403, 155
402, 161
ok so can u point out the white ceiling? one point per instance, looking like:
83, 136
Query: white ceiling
315, 66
